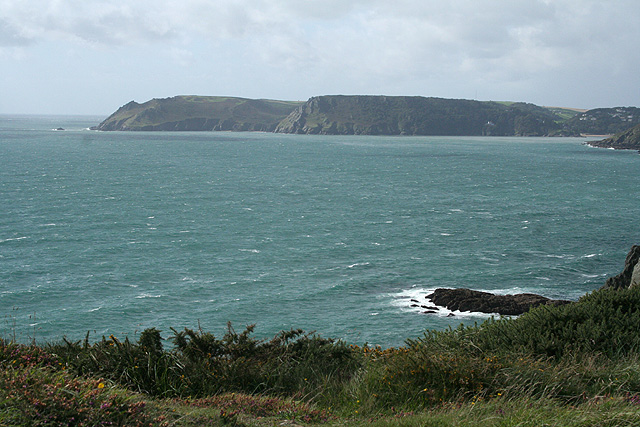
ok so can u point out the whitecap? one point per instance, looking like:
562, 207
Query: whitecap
358, 264
146, 295
559, 256
254, 251
11, 239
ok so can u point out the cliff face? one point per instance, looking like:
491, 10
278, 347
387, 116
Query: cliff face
403, 115
199, 113
627, 140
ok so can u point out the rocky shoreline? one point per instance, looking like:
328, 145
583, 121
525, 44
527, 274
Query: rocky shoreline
485, 302
467, 300
627, 140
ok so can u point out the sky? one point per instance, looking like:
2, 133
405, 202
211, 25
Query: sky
93, 56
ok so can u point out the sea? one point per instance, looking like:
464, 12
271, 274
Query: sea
114, 232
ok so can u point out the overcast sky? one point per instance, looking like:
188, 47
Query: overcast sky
92, 56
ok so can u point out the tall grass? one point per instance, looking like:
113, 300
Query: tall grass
568, 357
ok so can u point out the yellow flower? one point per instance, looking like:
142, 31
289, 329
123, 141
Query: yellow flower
101, 385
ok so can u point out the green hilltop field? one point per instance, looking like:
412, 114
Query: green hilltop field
199, 113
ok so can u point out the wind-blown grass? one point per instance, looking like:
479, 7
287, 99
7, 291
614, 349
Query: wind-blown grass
574, 362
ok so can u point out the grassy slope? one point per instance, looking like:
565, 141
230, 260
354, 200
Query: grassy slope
571, 365
158, 112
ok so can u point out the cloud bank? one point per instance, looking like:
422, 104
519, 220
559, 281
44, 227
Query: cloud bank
502, 49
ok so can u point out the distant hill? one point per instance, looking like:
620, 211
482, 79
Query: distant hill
199, 113
627, 140
367, 115
604, 121
414, 115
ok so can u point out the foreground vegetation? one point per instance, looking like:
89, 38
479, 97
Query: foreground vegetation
573, 365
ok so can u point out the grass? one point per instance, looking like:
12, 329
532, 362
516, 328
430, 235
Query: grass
574, 365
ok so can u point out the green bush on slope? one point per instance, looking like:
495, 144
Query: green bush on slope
572, 354
292, 363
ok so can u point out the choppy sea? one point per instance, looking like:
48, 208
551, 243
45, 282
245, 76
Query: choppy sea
114, 232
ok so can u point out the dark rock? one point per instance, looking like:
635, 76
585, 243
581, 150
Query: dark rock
430, 312
485, 302
623, 280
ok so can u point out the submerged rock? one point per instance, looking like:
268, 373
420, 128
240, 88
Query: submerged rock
485, 302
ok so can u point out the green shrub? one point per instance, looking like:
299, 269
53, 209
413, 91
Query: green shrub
292, 363
606, 322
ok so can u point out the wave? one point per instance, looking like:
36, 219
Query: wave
414, 300
358, 264
147, 295
12, 239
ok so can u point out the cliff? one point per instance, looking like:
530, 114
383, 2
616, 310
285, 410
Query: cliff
199, 113
414, 115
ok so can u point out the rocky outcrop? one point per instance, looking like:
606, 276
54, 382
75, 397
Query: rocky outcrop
627, 140
485, 302
630, 275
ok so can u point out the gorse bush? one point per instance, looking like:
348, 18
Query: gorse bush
606, 322
568, 352
292, 363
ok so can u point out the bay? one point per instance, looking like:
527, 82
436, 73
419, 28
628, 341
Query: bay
113, 233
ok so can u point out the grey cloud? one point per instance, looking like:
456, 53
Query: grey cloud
355, 42
10, 36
